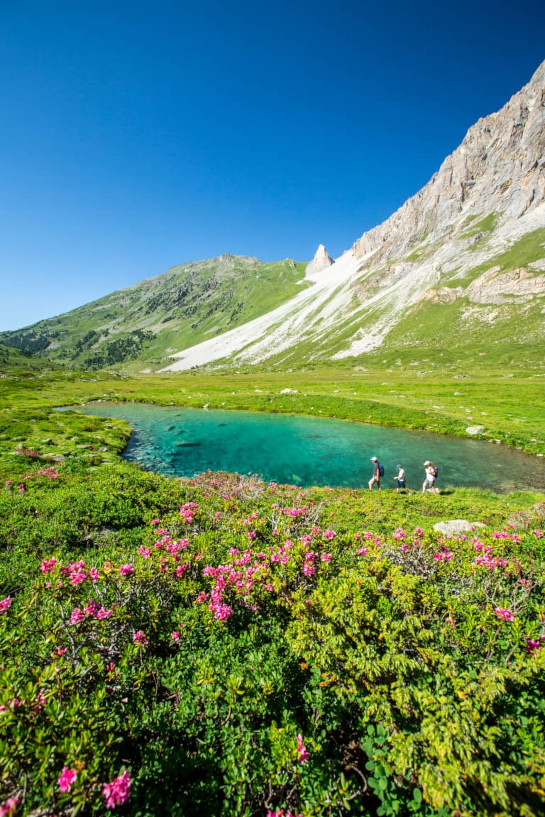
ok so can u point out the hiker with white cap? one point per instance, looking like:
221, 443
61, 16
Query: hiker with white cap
400, 477
431, 476
378, 472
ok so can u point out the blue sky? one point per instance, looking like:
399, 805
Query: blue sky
136, 135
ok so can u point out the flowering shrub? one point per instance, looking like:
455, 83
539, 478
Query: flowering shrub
312, 668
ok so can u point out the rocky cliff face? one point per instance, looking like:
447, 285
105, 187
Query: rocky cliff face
499, 167
321, 261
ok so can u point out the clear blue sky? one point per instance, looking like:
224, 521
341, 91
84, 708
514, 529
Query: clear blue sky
136, 135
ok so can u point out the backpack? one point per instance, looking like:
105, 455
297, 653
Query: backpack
381, 469
435, 471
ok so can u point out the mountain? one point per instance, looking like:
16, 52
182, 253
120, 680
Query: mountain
139, 326
457, 272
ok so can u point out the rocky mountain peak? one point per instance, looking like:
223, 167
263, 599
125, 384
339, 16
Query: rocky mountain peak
498, 168
322, 260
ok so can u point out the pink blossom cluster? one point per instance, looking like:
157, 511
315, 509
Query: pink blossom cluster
505, 534
118, 791
308, 565
491, 562
50, 473
4, 604
91, 610
187, 511
9, 806
140, 638
533, 645
48, 565
329, 534
301, 750
504, 614
282, 813
443, 556
67, 779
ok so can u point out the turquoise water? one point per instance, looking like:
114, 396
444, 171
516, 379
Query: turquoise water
310, 451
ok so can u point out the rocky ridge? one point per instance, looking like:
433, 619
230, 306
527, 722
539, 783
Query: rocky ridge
499, 167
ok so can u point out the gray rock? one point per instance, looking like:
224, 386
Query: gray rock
289, 391
322, 260
474, 429
454, 527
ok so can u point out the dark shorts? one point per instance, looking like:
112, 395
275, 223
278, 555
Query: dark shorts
401, 483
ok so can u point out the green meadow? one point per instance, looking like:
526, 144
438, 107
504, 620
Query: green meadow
226, 646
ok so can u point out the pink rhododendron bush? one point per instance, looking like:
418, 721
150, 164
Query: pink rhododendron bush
247, 653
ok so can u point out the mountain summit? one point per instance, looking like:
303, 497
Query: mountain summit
321, 261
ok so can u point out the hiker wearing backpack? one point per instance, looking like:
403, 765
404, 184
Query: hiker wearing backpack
431, 475
378, 472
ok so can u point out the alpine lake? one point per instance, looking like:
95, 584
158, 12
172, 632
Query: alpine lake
306, 451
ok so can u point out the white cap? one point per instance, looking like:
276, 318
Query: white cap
374, 459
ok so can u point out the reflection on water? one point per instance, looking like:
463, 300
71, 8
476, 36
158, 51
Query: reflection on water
311, 451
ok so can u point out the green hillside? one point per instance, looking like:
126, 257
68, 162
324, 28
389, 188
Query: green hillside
140, 326
12, 361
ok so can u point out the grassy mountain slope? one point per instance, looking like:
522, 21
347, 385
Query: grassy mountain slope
13, 362
480, 294
140, 325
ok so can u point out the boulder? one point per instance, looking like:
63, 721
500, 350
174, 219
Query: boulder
474, 430
454, 527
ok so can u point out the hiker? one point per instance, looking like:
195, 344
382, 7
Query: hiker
378, 472
400, 477
431, 476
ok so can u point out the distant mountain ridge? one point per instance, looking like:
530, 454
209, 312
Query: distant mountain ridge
459, 269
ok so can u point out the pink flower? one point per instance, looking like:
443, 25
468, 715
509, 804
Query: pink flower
118, 791
67, 778
94, 574
301, 751
126, 570
4, 604
140, 638
77, 616
533, 645
48, 565
155, 521
8, 806
443, 556
175, 635
504, 614
60, 650
362, 551
103, 613
282, 813
144, 551
329, 534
